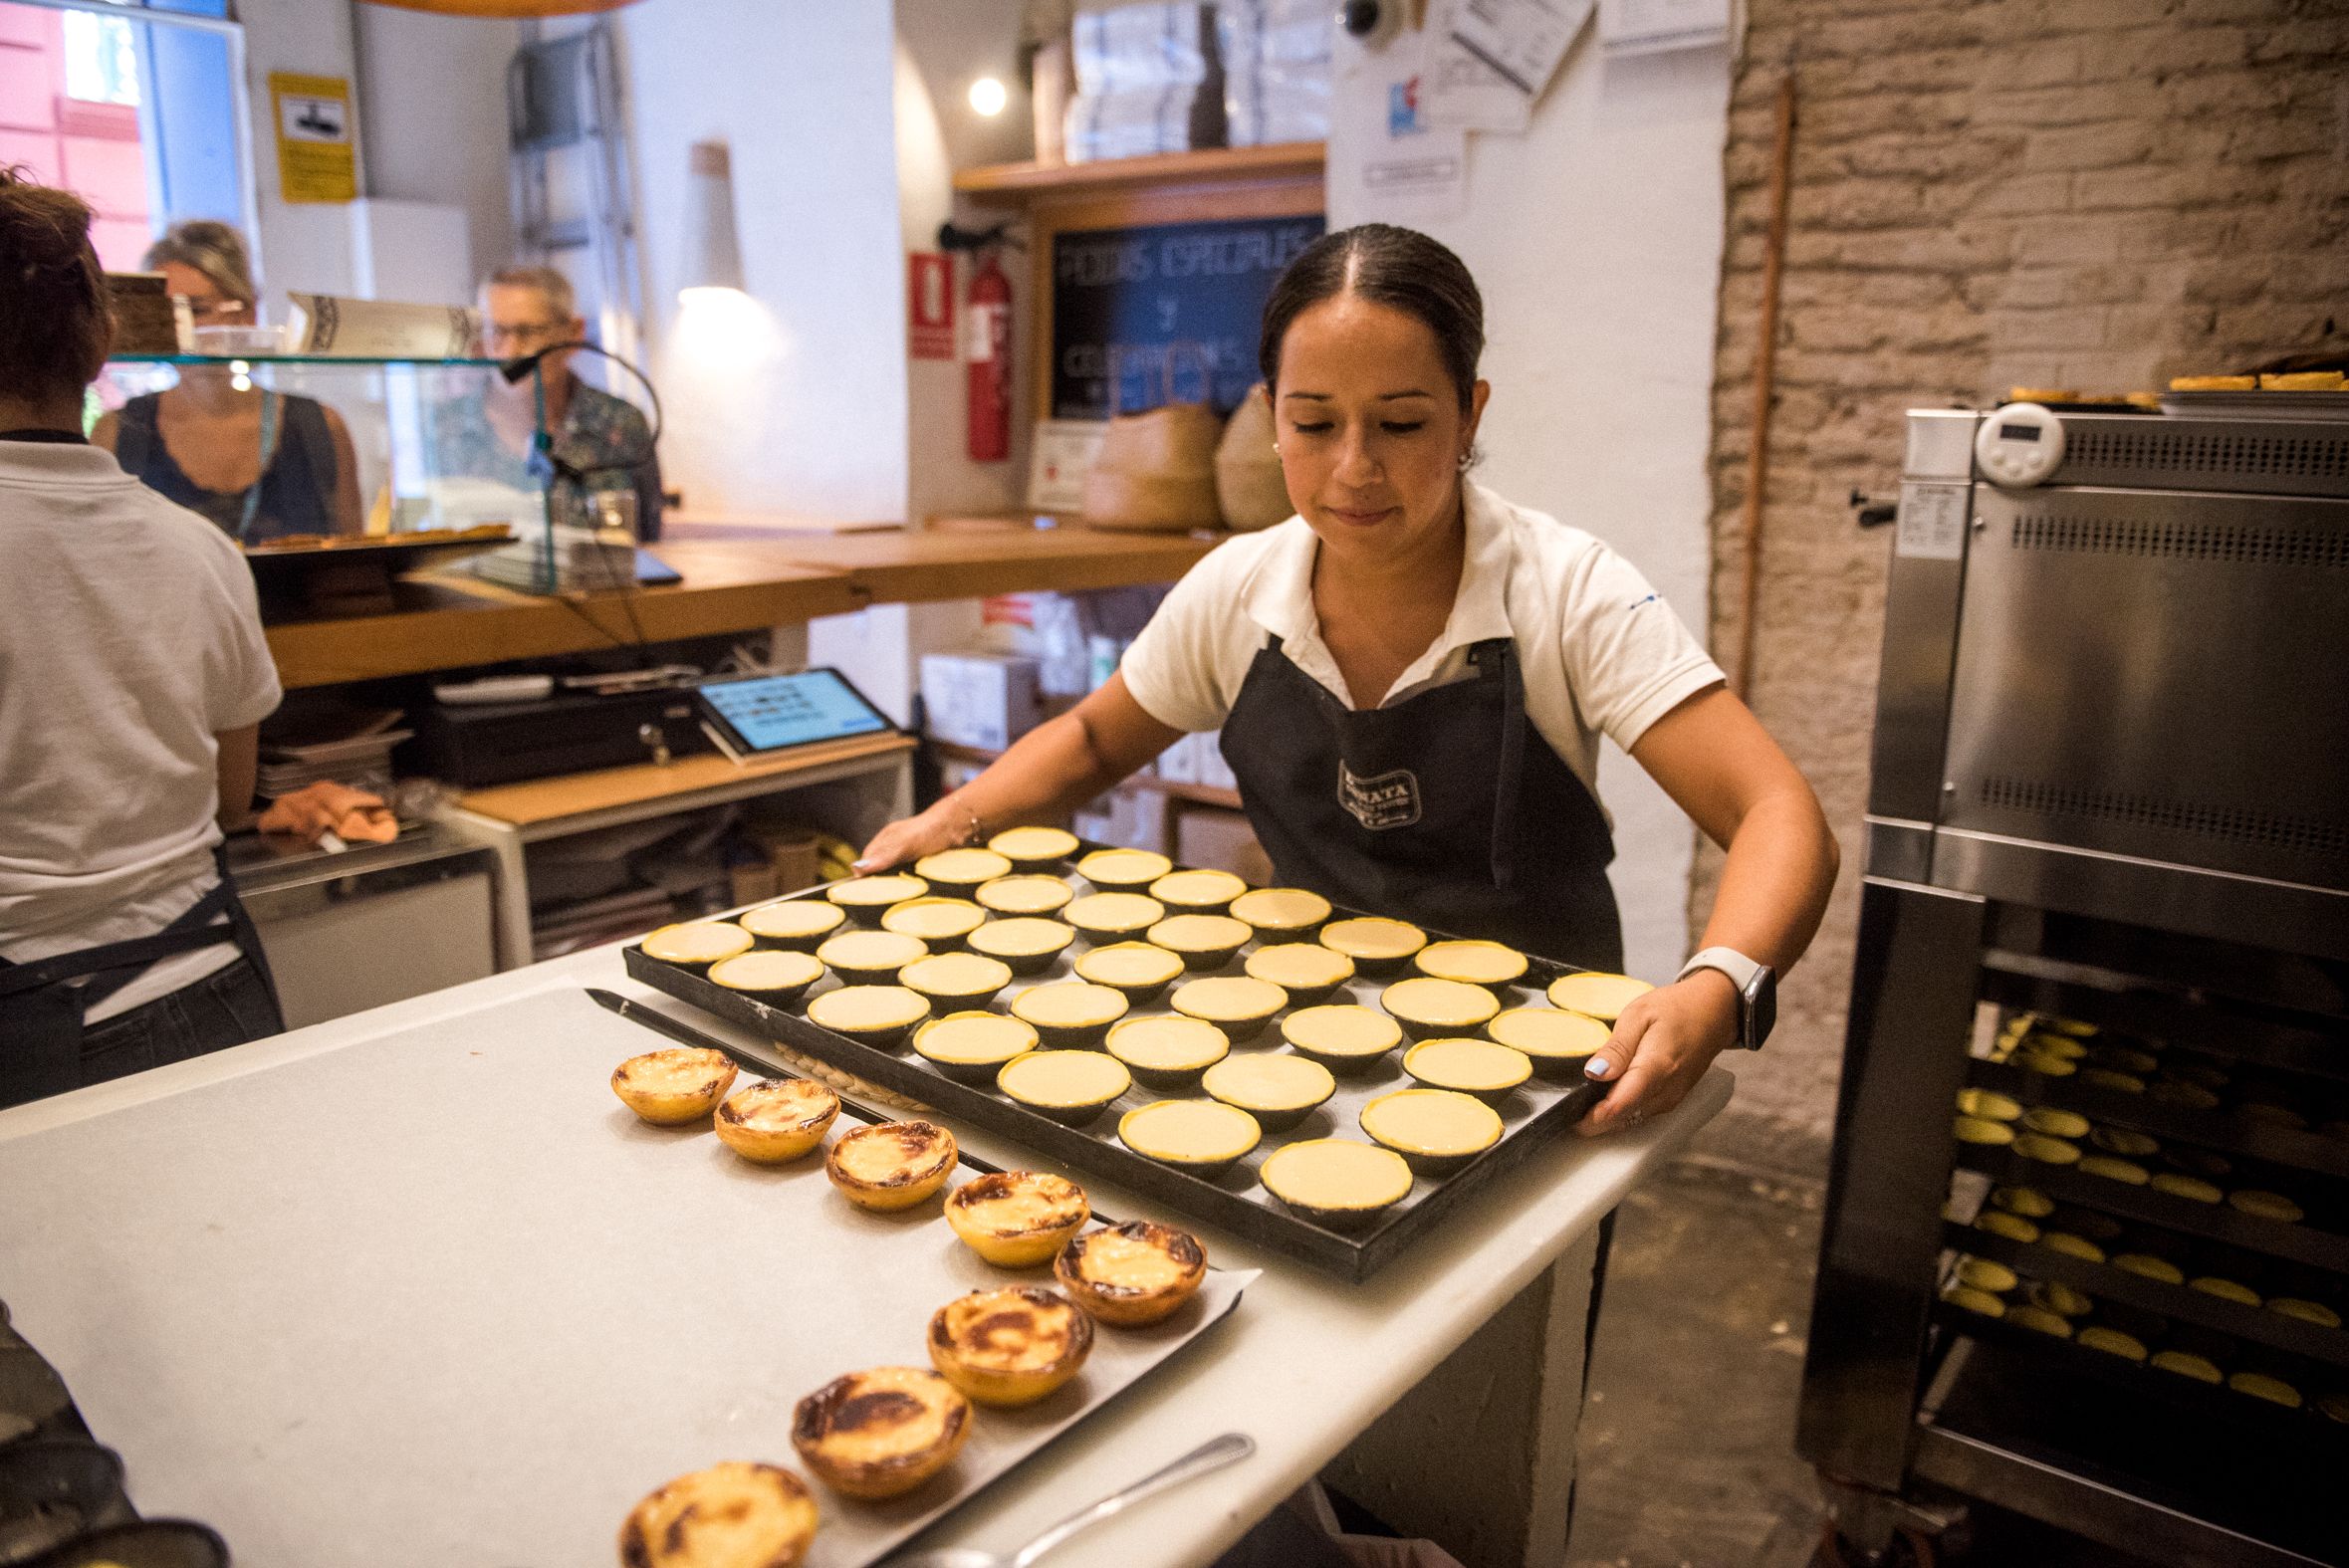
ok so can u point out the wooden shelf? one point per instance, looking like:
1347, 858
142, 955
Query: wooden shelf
1017, 184
1139, 784
541, 800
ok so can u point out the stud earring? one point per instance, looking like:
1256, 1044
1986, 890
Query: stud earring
1276, 449
1466, 458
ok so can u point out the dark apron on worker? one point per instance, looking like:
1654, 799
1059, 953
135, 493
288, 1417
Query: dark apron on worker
41, 1007
1446, 810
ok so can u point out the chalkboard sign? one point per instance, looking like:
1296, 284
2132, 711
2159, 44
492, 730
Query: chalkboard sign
1127, 303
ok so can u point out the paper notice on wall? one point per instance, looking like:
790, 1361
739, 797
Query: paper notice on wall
1059, 459
1409, 171
1518, 43
1457, 89
1645, 27
314, 157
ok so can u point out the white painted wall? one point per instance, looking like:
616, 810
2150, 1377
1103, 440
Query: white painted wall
791, 398
304, 246
432, 110
942, 47
1596, 239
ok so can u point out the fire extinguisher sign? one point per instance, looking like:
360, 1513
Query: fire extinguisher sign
930, 305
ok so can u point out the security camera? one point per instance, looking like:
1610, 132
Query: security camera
1370, 23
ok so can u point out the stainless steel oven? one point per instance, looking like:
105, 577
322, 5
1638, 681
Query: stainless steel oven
2086, 1250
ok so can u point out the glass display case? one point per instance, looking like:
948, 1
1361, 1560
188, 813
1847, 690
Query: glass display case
337, 474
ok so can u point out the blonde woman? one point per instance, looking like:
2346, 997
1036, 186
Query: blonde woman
261, 465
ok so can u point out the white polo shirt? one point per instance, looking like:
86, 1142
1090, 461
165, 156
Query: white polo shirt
1599, 651
129, 638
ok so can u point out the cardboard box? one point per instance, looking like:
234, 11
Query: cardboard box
982, 700
1177, 764
1212, 837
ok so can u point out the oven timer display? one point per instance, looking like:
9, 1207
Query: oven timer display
2019, 446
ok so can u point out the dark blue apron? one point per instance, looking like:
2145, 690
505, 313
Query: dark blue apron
1446, 810
41, 1003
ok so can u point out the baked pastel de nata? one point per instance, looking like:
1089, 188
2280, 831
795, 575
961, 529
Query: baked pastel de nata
731, 1516
1133, 1273
1011, 1346
891, 1165
880, 1432
777, 1119
671, 1087
1016, 1219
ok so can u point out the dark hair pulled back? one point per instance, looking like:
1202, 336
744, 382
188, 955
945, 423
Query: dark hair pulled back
54, 319
1395, 266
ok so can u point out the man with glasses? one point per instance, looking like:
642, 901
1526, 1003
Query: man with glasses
600, 444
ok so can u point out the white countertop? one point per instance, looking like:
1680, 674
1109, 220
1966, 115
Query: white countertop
1304, 1364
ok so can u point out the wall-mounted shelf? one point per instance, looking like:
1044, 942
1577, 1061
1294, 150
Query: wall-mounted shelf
1018, 184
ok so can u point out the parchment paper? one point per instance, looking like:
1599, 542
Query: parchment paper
440, 1299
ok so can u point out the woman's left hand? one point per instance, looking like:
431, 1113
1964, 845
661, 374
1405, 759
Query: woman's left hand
1661, 1047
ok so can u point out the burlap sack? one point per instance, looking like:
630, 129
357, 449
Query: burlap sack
1248, 483
1156, 469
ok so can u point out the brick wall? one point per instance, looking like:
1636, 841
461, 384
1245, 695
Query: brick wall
2094, 195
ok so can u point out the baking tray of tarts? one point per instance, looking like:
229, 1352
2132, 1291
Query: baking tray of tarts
1044, 1311
1323, 1083
2174, 1210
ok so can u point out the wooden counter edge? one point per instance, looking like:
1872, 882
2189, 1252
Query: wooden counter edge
577, 795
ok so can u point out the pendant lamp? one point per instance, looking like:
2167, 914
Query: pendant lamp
510, 10
713, 253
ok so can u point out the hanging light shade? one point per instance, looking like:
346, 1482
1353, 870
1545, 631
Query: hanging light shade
511, 10
713, 253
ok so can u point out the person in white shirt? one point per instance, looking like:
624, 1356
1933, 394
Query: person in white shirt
1411, 676
133, 678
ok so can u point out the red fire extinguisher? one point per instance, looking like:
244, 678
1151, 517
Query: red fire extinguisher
990, 356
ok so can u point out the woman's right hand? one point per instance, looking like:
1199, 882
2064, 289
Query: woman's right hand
911, 837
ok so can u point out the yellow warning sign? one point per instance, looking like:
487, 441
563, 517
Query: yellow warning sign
314, 157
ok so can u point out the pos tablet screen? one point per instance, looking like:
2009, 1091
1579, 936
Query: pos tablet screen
756, 714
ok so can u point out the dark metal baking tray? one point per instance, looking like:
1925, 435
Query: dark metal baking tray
1235, 1202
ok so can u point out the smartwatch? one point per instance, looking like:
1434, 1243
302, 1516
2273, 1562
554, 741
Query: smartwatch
1757, 990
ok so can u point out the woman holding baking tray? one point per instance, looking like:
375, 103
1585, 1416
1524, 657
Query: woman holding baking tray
1412, 674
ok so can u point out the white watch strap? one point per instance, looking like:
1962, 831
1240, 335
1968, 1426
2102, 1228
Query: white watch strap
1739, 968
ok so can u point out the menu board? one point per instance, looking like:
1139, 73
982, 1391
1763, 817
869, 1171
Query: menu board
1143, 314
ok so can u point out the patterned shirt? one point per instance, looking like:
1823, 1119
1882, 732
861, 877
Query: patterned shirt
603, 439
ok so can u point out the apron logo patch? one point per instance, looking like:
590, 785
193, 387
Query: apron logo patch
1382, 800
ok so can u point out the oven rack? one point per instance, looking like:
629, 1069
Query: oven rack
2296, 1242
2327, 1347
2212, 1409
2227, 1131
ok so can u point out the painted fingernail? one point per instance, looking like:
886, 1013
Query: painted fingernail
1599, 1067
